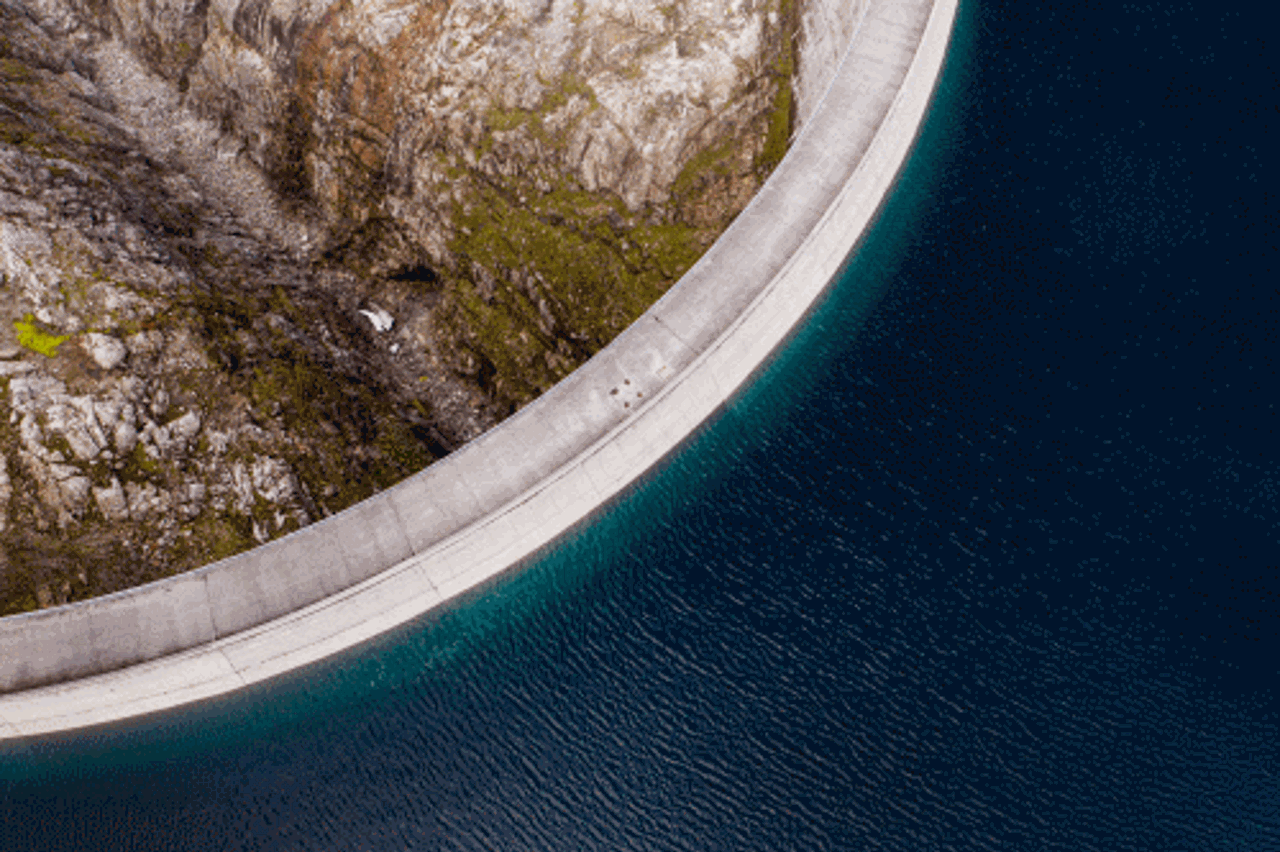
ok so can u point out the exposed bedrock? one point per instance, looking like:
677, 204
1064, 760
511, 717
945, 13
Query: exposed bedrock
259, 260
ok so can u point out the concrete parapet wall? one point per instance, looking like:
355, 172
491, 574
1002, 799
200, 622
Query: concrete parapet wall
512, 491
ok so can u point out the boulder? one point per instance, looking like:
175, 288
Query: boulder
106, 351
111, 501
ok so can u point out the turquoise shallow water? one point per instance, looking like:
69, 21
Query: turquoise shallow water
985, 559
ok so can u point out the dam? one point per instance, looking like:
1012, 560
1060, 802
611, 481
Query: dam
496, 502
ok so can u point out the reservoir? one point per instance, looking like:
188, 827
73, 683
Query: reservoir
985, 558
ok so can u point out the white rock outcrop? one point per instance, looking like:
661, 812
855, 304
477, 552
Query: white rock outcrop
106, 351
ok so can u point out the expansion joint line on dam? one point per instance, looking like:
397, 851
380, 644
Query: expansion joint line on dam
671, 332
502, 498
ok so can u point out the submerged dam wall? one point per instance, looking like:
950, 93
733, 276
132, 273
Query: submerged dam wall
500, 499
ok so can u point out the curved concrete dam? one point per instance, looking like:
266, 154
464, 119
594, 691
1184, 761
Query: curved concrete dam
502, 498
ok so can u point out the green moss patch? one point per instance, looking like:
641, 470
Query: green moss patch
559, 283
33, 337
566, 87
782, 115
716, 160
13, 71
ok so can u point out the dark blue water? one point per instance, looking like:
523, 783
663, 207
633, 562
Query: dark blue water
989, 558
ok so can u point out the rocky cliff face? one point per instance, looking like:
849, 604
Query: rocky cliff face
261, 259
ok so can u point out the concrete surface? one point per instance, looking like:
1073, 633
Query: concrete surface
514, 490
826, 28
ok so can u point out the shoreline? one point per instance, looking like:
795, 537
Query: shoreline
456, 525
